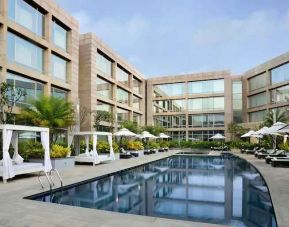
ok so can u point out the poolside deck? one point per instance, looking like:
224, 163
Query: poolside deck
16, 211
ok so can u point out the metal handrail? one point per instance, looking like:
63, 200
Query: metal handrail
58, 175
47, 177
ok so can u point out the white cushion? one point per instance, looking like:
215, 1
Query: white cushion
17, 159
1, 162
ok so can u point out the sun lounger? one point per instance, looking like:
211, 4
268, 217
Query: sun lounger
253, 151
280, 161
124, 154
161, 150
278, 154
265, 153
147, 152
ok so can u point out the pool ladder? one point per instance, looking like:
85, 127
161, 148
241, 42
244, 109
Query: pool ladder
49, 178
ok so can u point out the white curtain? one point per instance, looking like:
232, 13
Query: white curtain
87, 145
8, 171
14, 143
45, 144
111, 155
94, 151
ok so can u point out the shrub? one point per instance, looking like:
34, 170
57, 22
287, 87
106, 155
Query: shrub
284, 146
103, 147
152, 145
134, 145
164, 144
30, 149
58, 151
205, 144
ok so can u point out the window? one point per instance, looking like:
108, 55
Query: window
122, 76
136, 102
24, 52
206, 87
280, 94
59, 35
206, 104
58, 68
257, 100
237, 101
257, 82
103, 88
136, 85
137, 118
280, 74
104, 64
170, 121
58, 93
122, 96
206, 120
203, 135
257, 116
178, 135
101, 106
122, 115
27, 16
169, 105
167, 90
32, 88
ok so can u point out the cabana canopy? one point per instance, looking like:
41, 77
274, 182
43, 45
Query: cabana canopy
10, 136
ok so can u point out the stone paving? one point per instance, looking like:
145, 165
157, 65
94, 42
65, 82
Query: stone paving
16, 211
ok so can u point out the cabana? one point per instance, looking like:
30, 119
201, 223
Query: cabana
11, 168
92, 156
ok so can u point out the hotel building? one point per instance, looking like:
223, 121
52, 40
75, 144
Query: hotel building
39, 49
109, 83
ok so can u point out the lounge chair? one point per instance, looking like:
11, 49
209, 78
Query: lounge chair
124, 154
161, 149
264, 153
283, 161
153, 151
221, 148
278, 154
260, 149
147, 152
244, 150
166, 149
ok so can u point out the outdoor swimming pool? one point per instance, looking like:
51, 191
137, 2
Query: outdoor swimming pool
208, 189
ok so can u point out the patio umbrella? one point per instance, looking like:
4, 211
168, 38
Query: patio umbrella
260, 132
124, 132
163, 136
218, 136
248, 134
273, 130
146, 134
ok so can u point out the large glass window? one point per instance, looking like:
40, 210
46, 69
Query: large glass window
24, 52
178, 105
122, 96
206, 120
280, 94
122, 115
257, 116
178, 135
206, 87
237, 101
257, 100
103, 88
101, 106
104, 64
58, 93
136, 85
33, 89
137, 118
136, 102
257, 82
170, 121
122, 76
206, 104
59, 35
26, 15
58, 67
168, 90
280, 74
203, 135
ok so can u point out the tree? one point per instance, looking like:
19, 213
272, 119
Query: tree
51, 112
275, 116
9, 96
235, 130
132, 126
155, 130
103, 116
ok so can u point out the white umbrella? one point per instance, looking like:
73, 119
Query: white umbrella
163, 136
218, 136
273, 130
284, 129
124, 132
146, 134
260, 132
248, 134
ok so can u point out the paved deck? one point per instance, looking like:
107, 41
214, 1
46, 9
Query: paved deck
16, 211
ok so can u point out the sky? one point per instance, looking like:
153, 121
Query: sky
170, 37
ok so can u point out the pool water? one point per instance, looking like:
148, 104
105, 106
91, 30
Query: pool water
208, 189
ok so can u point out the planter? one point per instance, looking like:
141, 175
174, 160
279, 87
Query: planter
59, 163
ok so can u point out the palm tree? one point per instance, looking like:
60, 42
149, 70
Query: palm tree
51, 112
275, 116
